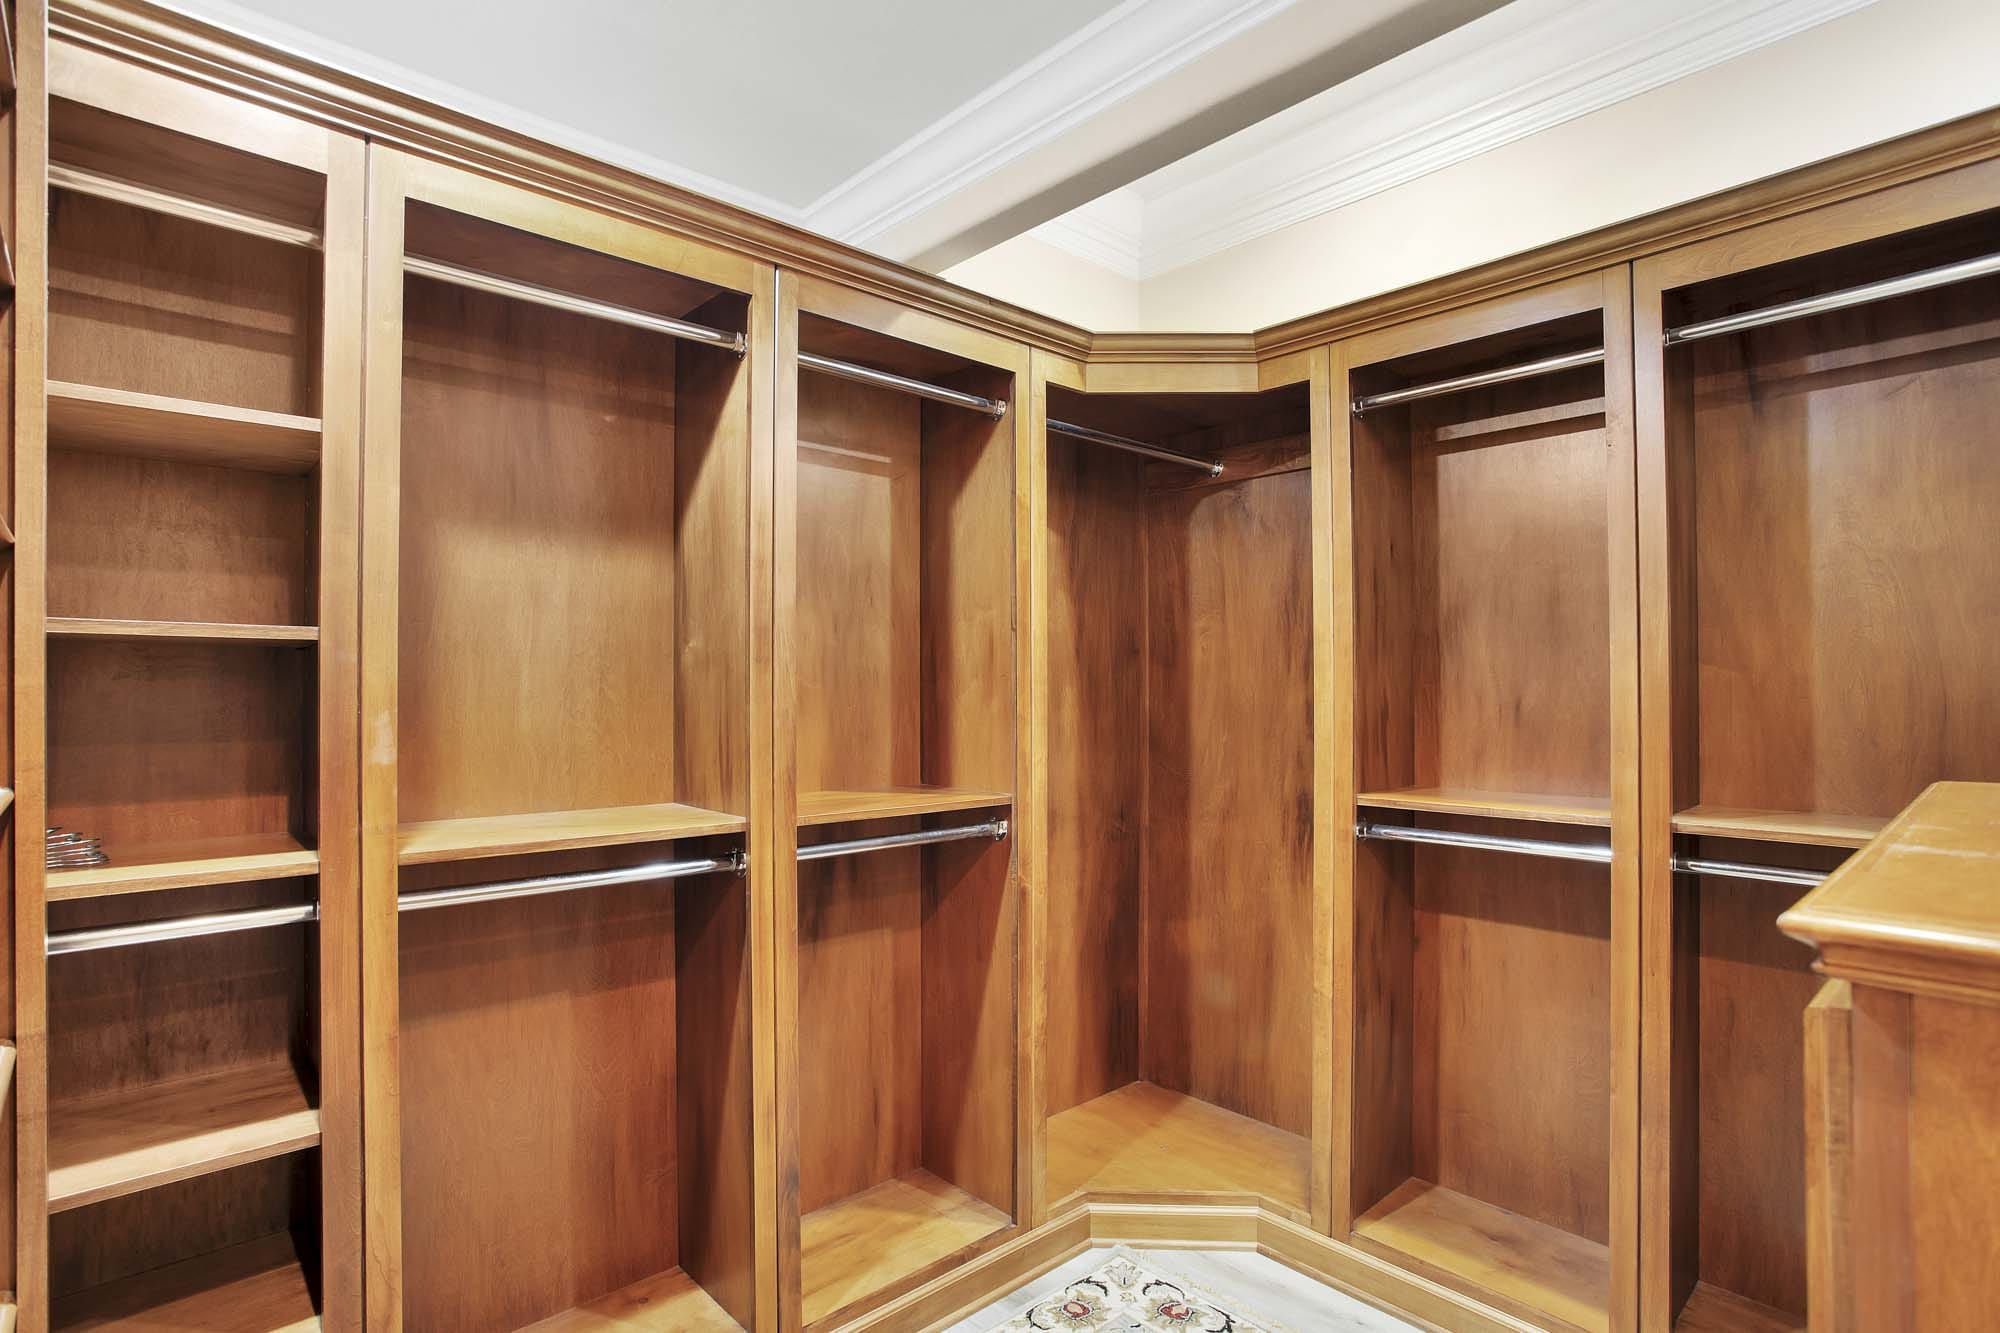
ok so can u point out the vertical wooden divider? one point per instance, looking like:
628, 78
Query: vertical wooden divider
767, 861
29, 577
1329, 1035
782, 838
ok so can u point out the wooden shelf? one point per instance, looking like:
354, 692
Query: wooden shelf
122, 1142
1538, 1271
258, 1287
556, 831
1586, 811
858, 1245
1800, 827
840, 807
1713, 1310
1146, 1140
178, 631
117, 421
668, 1302
184, 865
8, 1054
6, 799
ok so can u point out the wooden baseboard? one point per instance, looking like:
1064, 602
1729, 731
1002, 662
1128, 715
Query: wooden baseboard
1094, 1224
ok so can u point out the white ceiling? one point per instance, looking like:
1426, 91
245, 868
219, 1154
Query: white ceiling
926, 130
779, 99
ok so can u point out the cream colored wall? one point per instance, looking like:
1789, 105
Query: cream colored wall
1888, 69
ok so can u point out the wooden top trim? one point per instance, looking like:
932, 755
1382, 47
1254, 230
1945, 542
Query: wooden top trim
1917, 909
175, 43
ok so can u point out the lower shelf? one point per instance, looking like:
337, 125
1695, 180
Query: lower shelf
1530, 1268
857, 1246
1142, 1139
259, 1287
840, 807
1713, 1310
136, 1138
185, 865
666, 1302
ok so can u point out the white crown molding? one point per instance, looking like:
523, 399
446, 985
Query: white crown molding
1528, 67
311, 46
1122, 52
1107, 231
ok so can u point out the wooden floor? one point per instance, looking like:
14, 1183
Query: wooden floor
1713, 1310
667, 1302
253, 1288
1143, 1139
858, 1245
1538, 1271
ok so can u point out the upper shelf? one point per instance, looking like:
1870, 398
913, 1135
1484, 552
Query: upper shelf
1798, 827
557, 831
839, 807
178, 631
184, 865
117, 421
136, 1138
1584, 811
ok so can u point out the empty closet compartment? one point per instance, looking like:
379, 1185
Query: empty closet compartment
1832, 595
1180, 797
901, 569
1482, 577
1482, 940
903, 564
184, 1119
183, 526
572, 940
907, 1053
1831, 492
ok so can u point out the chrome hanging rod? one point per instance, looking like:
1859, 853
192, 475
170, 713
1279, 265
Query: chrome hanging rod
576, 305
1548, 365
1696, 865
882, 379
79, 181
1208, 465
1949, 274
995, 829
1485, 842
421, 899
179, 928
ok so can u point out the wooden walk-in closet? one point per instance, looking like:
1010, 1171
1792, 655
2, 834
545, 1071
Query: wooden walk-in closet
610, 764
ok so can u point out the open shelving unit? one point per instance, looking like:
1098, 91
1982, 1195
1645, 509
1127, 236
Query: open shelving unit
1488, 957
898, 963
562, 437
1819, 505
1178, 816
199, 594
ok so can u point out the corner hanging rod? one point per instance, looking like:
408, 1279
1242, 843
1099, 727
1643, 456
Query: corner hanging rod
1697, 865
996, 829
1548, 365
882, 379
421, 899
1944, 276
1598, 853
575, 305
154, 200
1208, 465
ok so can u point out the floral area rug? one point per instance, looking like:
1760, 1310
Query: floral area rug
1123, 1297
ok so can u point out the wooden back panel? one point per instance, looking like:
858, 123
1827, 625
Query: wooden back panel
538, 559
1228, 840
1846, 579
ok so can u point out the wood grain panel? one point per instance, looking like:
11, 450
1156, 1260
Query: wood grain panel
856, 632
147, 540
1096, 634
1229, 797
163, 305
1843, 509
718, 1215
538, 1094
537, 608
1954, 1141
859, 1015
968, 1018
1511, 1087
163, 743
